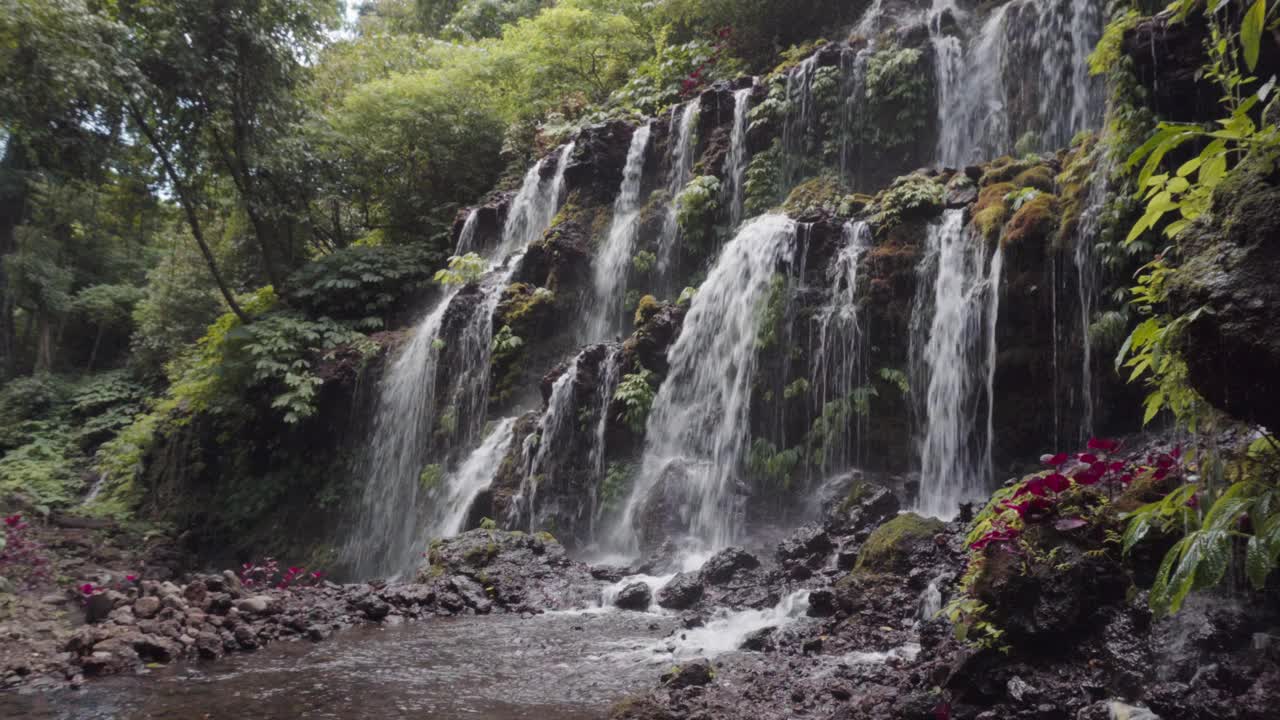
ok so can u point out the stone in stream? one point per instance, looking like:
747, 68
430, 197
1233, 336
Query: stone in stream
636, 596
683, 592
694, 673
722, 566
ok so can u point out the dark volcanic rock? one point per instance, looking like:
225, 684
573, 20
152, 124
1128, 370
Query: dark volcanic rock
684, 591
693, 673
721, 567
636, 596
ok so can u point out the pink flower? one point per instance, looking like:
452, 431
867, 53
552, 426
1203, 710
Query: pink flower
316, 574
1088, 458
13, 520
295, 570
1057, 482
1054, 460
131, 578
87, 589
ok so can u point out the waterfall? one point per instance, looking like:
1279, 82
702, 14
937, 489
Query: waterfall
451, 503
838, 370
548, 449
736, 165
467, 238
948, 57
683, 123
1025, 74
698, 427
610, 376
389, 521
1087, 232
615, 255
953, 362
799, 119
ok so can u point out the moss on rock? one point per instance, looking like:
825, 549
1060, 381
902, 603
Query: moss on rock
1039, 177
1034, 222
890, 546
823, 194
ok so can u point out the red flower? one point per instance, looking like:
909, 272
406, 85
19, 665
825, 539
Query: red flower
1054, 460
130, 578
1088, 458
295, 570
316, 574
13, 520
1057, 482
1126, 479
1117, 466
87, 589
1193, 502
994, 536
1103, 444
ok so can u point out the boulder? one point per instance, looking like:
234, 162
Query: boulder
684, 591
99, 606
891, 547
721, 567
256, 605
694, 673
864, 506
145, 608
636, 596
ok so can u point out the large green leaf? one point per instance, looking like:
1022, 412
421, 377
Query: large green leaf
1251, 32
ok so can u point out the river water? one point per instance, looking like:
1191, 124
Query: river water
569, 666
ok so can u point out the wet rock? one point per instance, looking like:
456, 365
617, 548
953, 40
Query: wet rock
683, 592
100, 605
609, 573
863, 507
246, 637
196, 593
636, 596
721, 567
373, 607
639, 709
111, 657
895, 545
759, 641
232, 585
209, 646
694, 673
822, 603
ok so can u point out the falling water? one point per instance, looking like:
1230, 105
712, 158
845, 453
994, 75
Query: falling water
799, 119
610, 376
615, 255
736, 166
683, 122
451, 503
699, 421
1087, 232
838, 366
953, 364
467, 238
545, 454
948, 60
389, 521
1024, 74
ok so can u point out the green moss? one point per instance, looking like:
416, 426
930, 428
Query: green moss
546, 537
857, 492
823, 194
1035, 221
774, 313
1006, 169
646, 309
992, 210
1039, 177
888, 547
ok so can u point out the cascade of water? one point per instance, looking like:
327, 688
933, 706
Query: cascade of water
451, 502
951, 362
545, 454
389, 521
975, 115
948, 57
853, 73
467, 238
736, 164
610, 376
1025, 74
697, 429
992, 310
683, 122
614, 256
1087, 232
799, 119
837, 370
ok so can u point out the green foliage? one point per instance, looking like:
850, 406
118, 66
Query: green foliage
797, 388
696, 208
762, 188
660, 81
636, 393
617, 484
897, 98
644, 261
765, 460
362, 284
505, 342
896, 378
462, 270
909, 196
773, 313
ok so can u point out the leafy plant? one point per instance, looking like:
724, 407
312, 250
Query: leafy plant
462, 270
636, 393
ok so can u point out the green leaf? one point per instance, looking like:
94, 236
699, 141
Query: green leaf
1251, 32
1257, 563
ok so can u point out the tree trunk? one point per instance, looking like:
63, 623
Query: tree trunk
189, 210
13, 195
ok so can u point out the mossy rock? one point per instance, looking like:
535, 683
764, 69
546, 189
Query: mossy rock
890, 546
646, 309
823, 194
1039, 177
1034, 222
1005, 170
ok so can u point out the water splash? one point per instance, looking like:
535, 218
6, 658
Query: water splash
953, 362
614, 256
736, 164
699, 421
838, 366
684, 121
389, 522
726, 630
